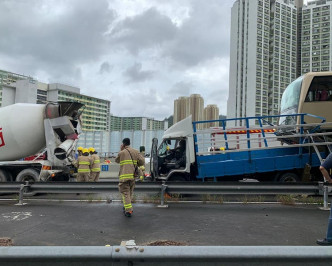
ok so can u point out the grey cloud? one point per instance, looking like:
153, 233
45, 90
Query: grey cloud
181, 88
143, 102
54, 40
218, 97
105, 67
148, 29
203, 35
136, 74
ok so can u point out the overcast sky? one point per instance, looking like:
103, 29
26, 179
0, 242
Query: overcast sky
139, 54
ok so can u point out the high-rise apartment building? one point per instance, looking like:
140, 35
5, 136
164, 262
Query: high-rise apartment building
136, 123
185, 106
211, 112
96, 113
316, 50
181, 109
17, 88
262, 57
196, 107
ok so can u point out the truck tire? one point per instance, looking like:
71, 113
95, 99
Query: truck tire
5, 176
289, 178
29, 174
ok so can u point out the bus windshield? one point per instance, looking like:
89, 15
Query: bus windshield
291, 96
290, 101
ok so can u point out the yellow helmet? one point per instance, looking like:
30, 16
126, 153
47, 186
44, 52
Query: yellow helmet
80, 148
85, 150
91, 149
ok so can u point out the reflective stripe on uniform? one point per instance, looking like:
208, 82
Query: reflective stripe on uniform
95, 169
127, 176
83, 170
96, 161
84, 163
128, 206
128, 162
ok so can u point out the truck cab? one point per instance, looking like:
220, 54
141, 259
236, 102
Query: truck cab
175, 156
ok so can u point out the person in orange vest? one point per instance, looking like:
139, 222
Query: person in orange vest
95, 167
129, 160
83, 165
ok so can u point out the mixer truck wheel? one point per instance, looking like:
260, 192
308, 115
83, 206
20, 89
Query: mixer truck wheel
30, 175
5, 176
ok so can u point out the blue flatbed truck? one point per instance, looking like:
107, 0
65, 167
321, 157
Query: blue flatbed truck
213, 152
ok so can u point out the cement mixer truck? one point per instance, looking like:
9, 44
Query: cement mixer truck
48, 131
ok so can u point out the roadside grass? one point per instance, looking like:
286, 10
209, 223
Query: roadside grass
212, 198
305, 199
134, 200
155, 198
173, 197
90, 198
256, 198
16, 197
286, 199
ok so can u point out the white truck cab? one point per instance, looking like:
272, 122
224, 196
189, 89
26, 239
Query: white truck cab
172, 160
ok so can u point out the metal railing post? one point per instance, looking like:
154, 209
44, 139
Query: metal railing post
326, 195
325, 190
162, 196
20, 201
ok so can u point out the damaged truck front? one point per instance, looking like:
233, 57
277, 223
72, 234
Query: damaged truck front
48, 131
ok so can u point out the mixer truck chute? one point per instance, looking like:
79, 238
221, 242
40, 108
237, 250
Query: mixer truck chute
51, 129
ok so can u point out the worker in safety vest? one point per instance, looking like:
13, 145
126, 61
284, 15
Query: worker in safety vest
129, 160
141, 169
79, 152
95, 167
83, 165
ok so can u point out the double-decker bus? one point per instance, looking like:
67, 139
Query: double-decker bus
310, 93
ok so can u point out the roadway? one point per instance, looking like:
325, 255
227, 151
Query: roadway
80, 223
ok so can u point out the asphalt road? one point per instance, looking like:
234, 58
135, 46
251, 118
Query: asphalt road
64, 223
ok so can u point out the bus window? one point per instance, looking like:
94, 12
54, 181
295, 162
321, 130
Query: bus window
320, 89
291, 96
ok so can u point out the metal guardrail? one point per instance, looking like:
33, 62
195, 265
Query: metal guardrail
215, 188
171, 255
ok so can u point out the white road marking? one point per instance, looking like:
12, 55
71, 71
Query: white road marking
17, 216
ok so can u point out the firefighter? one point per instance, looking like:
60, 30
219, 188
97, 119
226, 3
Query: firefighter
83, 165
141, 172
129, 160
79, 151
95, 167
141, 169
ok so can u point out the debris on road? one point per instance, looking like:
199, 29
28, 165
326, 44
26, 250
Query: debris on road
166, 243
5, 242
